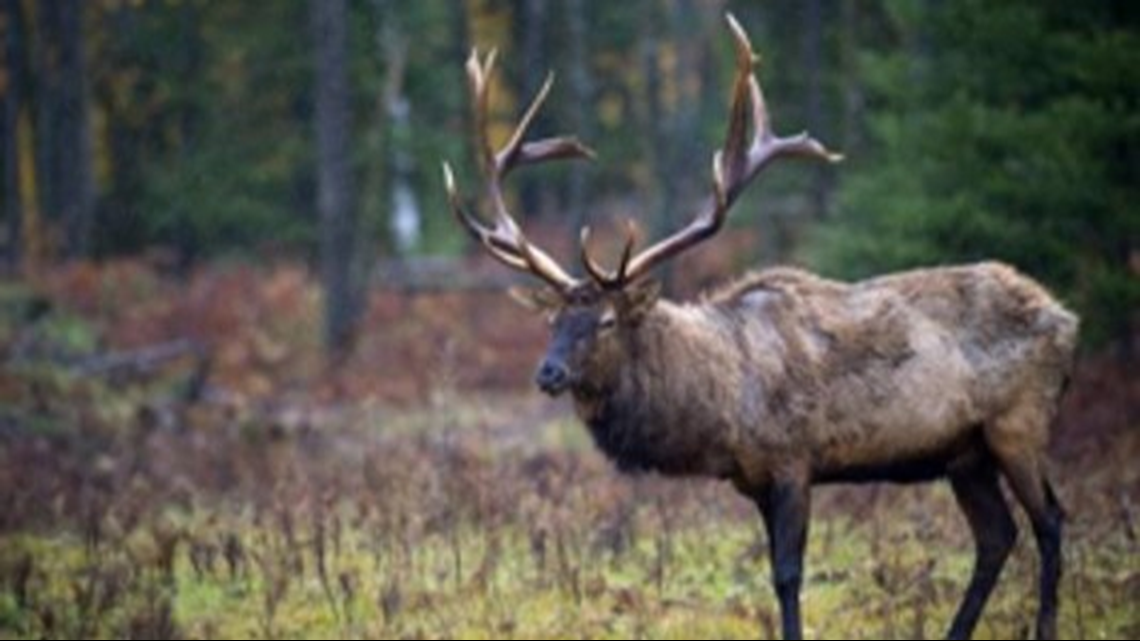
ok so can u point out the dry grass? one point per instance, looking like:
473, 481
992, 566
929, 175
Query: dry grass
480, 520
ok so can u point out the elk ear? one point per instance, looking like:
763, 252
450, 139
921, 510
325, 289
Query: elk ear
638, 298
541, 300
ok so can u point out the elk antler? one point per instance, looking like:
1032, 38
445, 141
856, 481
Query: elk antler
733, 168
504, 240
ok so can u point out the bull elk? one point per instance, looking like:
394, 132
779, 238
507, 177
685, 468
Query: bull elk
784, 379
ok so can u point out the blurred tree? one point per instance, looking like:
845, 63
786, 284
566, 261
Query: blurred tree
204, 107
119, 221
972, 129
63, 128
405, 222
532, 22
335, 184
424, 80
1017, 139
76, 178
152, 89
582, 99
45, 29
12, 74
851, 133
674, 91
814, 30
210, 107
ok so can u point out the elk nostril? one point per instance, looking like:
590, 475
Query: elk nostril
551, 375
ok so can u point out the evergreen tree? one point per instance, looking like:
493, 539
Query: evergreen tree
1007, 131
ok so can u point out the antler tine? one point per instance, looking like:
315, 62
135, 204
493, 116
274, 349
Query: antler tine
739, 161
736, 137
604, 278
627, 251
595, 271
508, 155
493, 239
478, 74
504, 239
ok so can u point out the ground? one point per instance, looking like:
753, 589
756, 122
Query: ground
134, 505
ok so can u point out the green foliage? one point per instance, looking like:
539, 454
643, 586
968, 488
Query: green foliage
209, 109
1012, 135
68, 333
241, 166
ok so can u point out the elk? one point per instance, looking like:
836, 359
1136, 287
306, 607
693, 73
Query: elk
784, 379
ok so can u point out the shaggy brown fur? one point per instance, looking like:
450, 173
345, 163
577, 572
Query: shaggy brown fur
784, 365
785, 379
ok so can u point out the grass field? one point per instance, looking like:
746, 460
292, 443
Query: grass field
488, 519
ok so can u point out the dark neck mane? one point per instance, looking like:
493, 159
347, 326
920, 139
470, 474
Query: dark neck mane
657, 417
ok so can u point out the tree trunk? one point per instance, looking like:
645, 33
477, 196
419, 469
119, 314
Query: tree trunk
122, 137
687, 166
334, 171
47, 108
405, 222
812, 51
852, 83
12, 51
674, 106
188, 62
581, 106
654, 131
532, 23
74, 152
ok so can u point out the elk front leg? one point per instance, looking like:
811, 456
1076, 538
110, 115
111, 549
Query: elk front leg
785, 506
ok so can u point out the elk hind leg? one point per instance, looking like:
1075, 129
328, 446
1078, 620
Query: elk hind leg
1018, 442
978, 492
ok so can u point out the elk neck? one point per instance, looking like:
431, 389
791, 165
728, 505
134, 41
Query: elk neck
672, 398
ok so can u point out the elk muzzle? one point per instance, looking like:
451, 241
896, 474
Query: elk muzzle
552, 377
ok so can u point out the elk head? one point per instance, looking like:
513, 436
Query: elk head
593, 316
